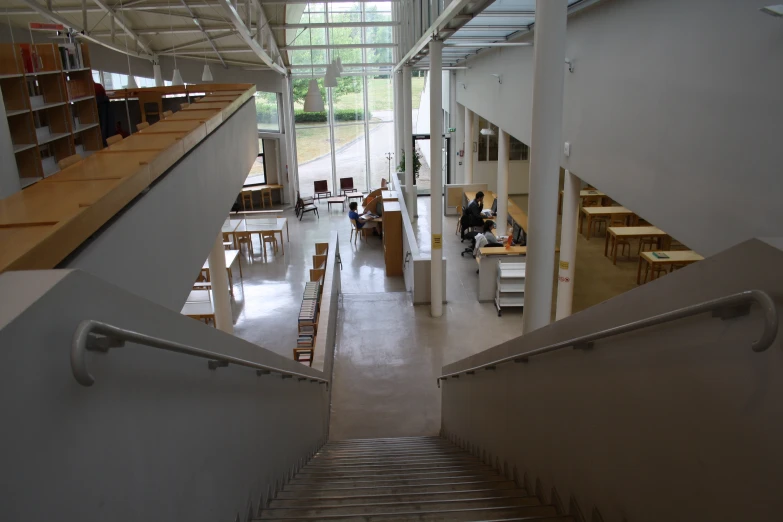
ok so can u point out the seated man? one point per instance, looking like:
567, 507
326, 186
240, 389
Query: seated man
472, 216
361, 219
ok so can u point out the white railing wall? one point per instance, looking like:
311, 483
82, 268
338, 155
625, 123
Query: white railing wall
680, 421
158, 436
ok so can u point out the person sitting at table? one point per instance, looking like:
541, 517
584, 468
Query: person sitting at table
359, 219
472, 216
492, 241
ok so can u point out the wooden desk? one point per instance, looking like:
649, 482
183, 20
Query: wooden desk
592, 212
517, 214
628, 233
228, 229
199, 306
392, 238
503, 251
676, 257
257, 226
231, 257
583, 194
389, 195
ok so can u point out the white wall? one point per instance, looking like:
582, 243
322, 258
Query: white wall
674, 109
518, 175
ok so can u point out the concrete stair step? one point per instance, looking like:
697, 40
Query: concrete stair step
386, 454
293, 491
392, 440
303, 501
388, 447
397, 506
474, 514
389, 444
393, 463
370, 480
391, 473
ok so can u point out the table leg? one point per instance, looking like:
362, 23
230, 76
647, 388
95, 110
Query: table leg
581, 220
589, 226
639, 271
230, 282
239, 260
286, 232
606, 246
282, 243
614, 250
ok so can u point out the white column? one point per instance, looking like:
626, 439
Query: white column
502, 195
293, 165
407, 140
436, 176
565, 280
399, 121
219, 278
453, 124
468, 146
545, 154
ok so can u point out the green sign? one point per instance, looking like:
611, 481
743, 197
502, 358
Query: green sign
452, 129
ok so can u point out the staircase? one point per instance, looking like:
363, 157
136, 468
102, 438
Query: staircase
415, 478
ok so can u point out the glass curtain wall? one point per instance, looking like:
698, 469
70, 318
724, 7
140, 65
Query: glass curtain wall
350, 139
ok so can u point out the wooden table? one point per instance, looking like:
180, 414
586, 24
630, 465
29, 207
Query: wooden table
592, 212
583, 194
628, 233
199, 306
489, 198
335, 201
389, 195
354, 194
676, 257
231, 256
261, 189
257, 226
228, 229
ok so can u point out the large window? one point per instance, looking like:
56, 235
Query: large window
257, 175
267, 111
488, 145
352, 137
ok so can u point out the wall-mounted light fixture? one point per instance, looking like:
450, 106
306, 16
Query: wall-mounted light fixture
570, 65
499, 77
464, 87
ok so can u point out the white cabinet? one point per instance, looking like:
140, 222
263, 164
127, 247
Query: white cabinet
510, 285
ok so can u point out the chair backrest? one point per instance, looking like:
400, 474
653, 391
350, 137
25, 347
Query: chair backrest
384, 183
141, 126
618, 221
319, 261
321, 186
321, 249
269, 236
346, 183
111, 140
70, 160
317, 274
166, 114
354, 225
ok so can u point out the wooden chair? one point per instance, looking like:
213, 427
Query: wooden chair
70, 160
356, 231
141, 126
317, 274
268, 193
322, 249
184, 105
645, 242
321, 189
595, 225
346, 185
268, 237
111, 140
247, 199
304, 355
622, 243
166, 114
305, 205
319, 261
384, 184
246, 239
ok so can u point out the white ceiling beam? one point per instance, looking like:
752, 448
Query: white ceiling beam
205, 33
120, 21
337, 46
177, 30
209, 50
200, 41
334, 24
56, 18
363, 64
244, 33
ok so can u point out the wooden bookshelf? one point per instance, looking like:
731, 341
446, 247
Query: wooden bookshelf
50, 105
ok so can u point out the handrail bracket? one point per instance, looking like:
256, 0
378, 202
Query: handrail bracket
102, 343
731, 312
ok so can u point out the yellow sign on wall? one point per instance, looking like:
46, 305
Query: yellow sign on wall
437, 242
563, 265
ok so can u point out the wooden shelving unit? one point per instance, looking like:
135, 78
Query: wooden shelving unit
50, 105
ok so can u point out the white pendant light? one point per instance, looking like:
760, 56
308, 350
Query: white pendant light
131, 82
340, 67
487, 132
313, 101
330, 80
177, 79
206, 76
158, 75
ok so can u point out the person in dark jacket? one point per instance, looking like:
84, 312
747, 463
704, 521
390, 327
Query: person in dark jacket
472, 216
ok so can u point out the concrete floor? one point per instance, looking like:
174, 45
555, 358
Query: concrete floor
388, 351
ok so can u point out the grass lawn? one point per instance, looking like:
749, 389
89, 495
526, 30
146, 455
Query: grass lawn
312, 139
379, 96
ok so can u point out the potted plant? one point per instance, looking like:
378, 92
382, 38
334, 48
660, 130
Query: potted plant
416, 164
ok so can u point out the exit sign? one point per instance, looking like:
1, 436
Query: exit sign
452, 129
36, 26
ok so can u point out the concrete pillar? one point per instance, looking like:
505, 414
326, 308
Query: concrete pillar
407, 140
468, 145
219, 278
436, 174
545, 154
399, 121
293, 164
565, 280
502, 192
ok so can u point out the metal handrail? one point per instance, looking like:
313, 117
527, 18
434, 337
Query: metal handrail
85, 339
727, 307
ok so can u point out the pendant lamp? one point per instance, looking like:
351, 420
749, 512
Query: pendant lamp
177, 79
313, 101
330, 80
206, 76
158, 75
340, 67
131, 82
